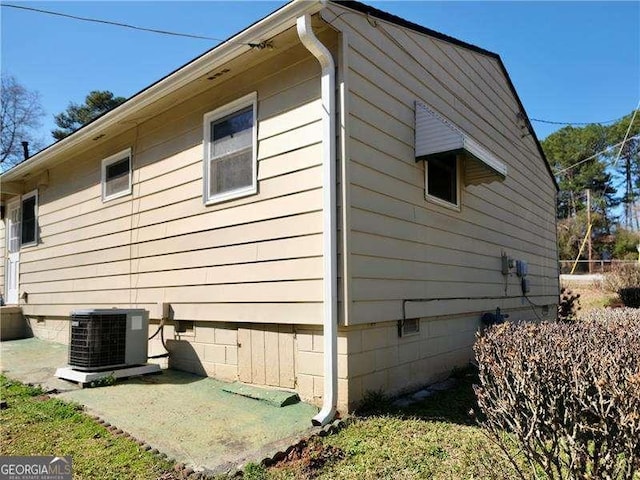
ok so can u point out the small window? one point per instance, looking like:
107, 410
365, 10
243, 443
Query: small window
230, 151
29, 220
442, 180
116, 175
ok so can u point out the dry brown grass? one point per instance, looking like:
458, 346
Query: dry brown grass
592, 296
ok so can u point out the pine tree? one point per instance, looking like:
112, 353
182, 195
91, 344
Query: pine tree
76, 116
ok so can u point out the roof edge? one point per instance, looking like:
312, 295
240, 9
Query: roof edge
382, 15
389, 17
528, 123
267, 27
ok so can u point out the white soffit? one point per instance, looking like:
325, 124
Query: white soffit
436, 135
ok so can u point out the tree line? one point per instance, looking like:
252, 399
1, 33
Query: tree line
606, 161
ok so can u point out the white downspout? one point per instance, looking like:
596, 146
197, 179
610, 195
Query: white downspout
329, 237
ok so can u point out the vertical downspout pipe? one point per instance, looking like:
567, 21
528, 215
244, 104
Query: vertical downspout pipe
330, 234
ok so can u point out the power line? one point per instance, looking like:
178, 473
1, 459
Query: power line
125, 25
552, 122
558, 172
627, 134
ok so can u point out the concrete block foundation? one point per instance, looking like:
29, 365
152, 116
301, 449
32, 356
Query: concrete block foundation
13, 325
371, 357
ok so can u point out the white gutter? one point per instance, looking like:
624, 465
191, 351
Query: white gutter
329, 237
265, 29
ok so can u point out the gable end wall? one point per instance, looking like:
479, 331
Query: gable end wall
403, 246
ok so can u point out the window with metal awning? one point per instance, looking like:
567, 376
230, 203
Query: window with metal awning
437, 137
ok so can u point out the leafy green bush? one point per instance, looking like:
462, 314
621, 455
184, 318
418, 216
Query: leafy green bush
625, 246
568, 393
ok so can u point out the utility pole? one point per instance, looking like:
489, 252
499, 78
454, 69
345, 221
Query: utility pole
589, 226
628, 196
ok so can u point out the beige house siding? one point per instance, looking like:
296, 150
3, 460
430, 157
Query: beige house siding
403, 246
248, 272
257, 258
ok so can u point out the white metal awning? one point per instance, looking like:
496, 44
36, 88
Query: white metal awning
436, 136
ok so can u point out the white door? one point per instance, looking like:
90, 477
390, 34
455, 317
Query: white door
13, 253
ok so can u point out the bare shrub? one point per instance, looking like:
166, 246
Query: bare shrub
622, 276
624, 279
569, 393
622, 315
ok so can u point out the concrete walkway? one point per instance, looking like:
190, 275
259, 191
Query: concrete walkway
189, 418
582, 278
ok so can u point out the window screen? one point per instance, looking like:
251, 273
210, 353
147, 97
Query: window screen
29, 223
117, 177
231, 152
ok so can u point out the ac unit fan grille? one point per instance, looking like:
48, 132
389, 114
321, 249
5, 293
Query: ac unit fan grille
98, 340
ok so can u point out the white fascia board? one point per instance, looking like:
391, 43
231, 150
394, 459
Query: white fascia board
266, 28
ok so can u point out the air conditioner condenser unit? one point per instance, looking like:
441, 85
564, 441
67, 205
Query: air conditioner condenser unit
103, 339
107, 342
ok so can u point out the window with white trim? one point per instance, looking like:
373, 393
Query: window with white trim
230, 150
29, 219
116, 175
442, 180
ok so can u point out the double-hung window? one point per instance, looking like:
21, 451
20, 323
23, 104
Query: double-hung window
230, 151
116, 175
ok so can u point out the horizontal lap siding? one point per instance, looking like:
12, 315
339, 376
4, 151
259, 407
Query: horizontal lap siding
402, 246
257, 258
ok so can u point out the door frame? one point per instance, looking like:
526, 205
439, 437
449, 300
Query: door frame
12, 205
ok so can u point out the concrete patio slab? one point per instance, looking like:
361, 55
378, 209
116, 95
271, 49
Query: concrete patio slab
190, 418
32, 360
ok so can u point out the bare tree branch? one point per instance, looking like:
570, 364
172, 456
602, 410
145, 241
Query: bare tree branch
20, 114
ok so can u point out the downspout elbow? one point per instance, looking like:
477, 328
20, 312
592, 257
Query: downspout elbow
330, 251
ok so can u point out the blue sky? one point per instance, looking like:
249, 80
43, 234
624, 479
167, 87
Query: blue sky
569, 61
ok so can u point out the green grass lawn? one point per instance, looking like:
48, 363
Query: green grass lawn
435, 439
35, 424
